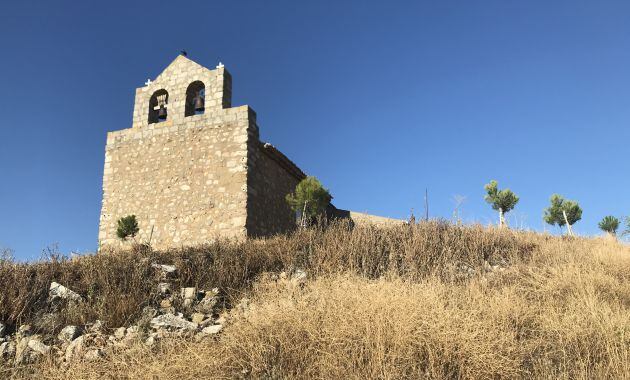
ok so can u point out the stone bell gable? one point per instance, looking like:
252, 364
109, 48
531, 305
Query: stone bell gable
178, 80
191, 167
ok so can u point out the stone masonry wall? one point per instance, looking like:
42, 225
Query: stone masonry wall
271, 177
185, 178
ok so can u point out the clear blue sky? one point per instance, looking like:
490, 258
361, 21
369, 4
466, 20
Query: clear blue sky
377, 99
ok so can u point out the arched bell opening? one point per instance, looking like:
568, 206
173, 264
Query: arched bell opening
158, 106
195, 98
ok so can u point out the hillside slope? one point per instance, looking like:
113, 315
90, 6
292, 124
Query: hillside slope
432, 301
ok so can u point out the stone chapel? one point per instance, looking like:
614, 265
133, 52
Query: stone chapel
192, 168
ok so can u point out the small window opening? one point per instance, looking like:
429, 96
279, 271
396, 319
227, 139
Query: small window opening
158, 106
195, 98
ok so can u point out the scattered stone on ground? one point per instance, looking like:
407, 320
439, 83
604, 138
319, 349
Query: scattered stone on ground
167, 270
298, 277
96, 327
189, 295
93, 354
208, 302
197, 318
164, 288
171, 321
7, 350
94, 341
60, 292
69, 333
36, 345
74, 349
211, 330
120, 333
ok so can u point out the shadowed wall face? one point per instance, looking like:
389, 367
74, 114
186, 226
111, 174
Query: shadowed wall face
271, 177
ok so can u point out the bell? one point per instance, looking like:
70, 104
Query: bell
162, 113
198, 103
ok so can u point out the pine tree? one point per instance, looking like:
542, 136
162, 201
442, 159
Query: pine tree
127, 226
501, 200
553, 213
609, 224
310, 199
563, 212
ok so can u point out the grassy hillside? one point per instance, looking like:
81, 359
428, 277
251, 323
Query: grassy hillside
432, 301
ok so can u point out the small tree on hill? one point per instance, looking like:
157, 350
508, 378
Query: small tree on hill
572, 213
310, 199
553, 213
501, 200
563, 212
127, 227
609, 224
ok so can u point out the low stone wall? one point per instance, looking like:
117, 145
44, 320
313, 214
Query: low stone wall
359, 219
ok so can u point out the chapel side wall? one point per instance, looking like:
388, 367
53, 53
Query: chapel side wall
268, 184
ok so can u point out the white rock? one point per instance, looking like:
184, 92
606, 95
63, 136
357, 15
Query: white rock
7, 350
197, 317
214, 329
299, 277
69, 333
39, 347
164, 288
170, 321
206, 305
188, 293
21, 351
131, 335
152, 339
93, 354
23, 331
75, 349
58, 291
119, 333
96, 327
168, 269
221, 320
206, 322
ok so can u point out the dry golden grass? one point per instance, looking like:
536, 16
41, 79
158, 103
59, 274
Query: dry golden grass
561, 310
116, 286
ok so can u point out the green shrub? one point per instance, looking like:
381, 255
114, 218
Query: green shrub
310, 198
609, 224
127, 226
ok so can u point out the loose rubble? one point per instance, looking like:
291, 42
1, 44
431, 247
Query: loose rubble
172, 322
69, 333
60, 292
166, 270
199, 318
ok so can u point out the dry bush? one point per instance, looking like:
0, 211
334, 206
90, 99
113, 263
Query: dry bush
566, 314
380, 303
118, 285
